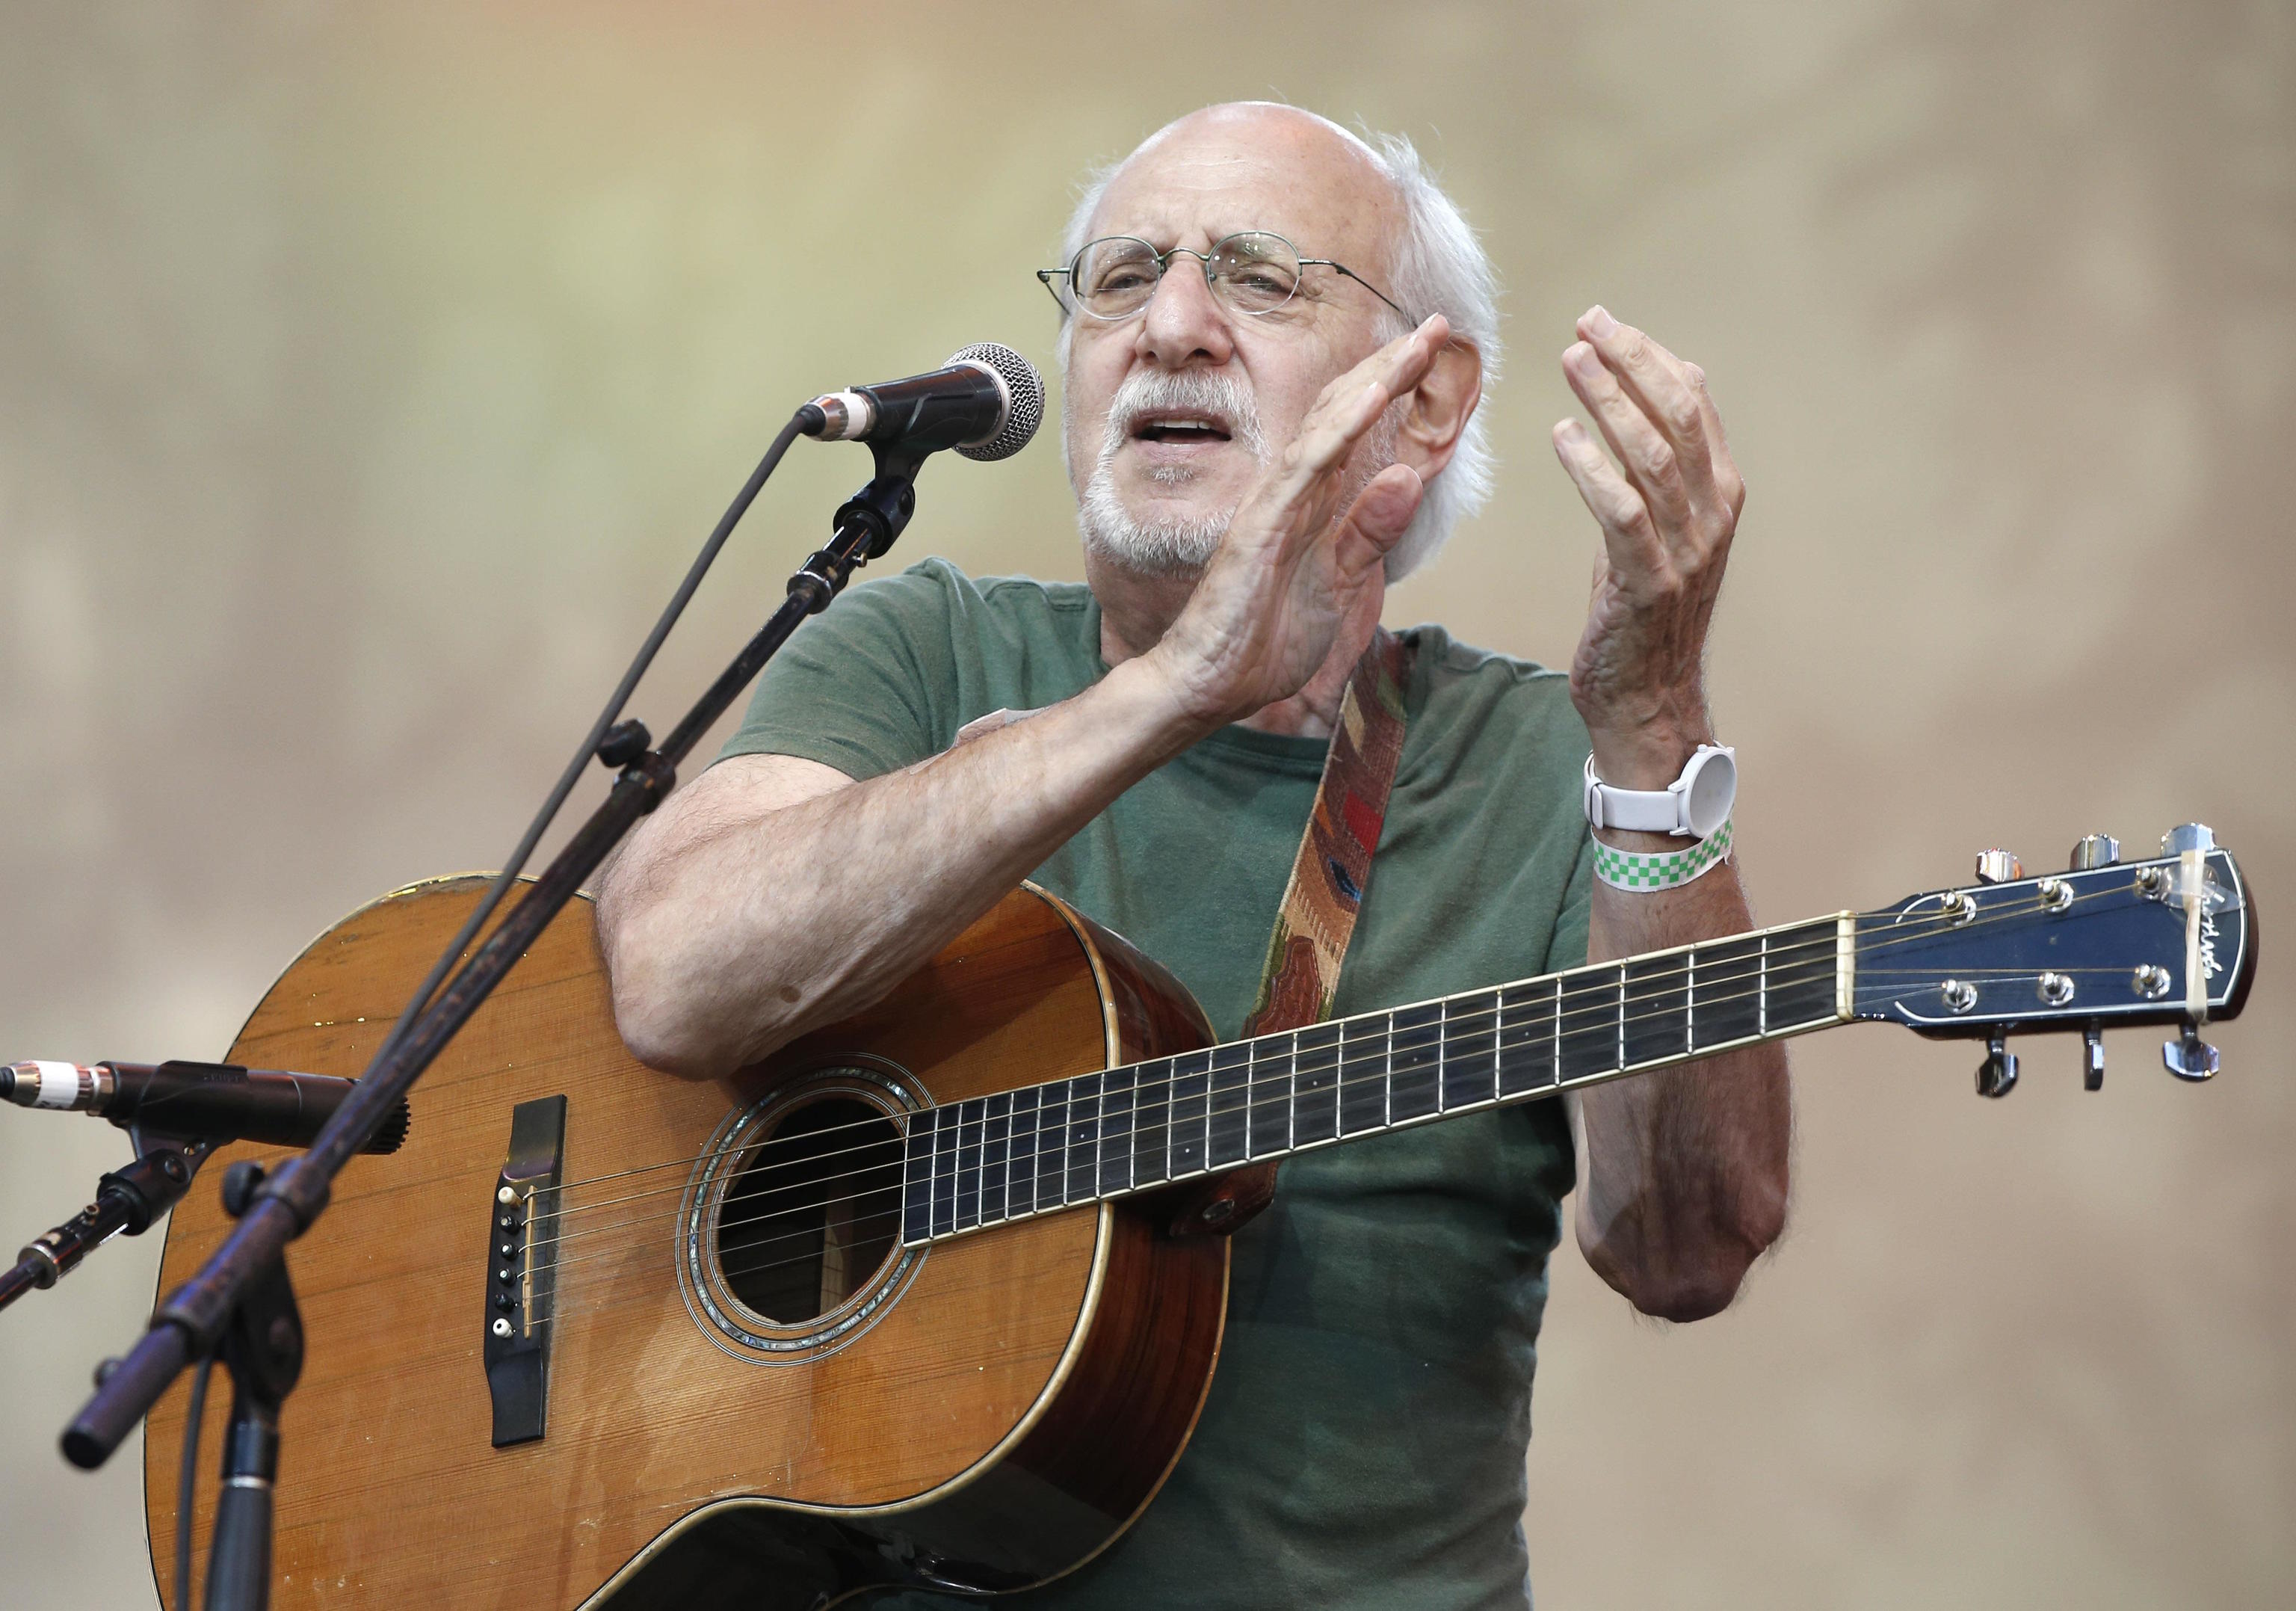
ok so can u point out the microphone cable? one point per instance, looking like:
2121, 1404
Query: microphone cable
806, 420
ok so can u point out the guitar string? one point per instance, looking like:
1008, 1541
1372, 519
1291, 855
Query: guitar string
1037, 1177
895, 1152
1602, 1013
1574, 990
1036, 1171
1895, 935
1605, 1014
1580, 987
739, 1267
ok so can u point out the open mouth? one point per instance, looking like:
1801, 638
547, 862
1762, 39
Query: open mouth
1179, 427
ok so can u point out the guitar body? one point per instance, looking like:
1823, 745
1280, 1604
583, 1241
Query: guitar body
980, 1414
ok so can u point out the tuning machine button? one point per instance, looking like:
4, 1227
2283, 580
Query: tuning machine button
2188, 836
1998, 867
2192, 1057
2093, 851
1999, 1072
2093, 1056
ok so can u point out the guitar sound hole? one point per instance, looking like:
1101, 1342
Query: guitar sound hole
814, 1211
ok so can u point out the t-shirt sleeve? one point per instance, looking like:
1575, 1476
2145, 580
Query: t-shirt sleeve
1567, 948
869, 686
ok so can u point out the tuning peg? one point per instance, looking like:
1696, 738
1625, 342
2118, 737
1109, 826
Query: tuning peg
1999, 1072
1998, 867
2192, 1057
2096, 851
2188, 836
2093, 1056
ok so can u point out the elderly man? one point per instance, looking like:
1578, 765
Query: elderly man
1274, 341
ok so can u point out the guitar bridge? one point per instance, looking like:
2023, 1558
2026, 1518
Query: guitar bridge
521, 1266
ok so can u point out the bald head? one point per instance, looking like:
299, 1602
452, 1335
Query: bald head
1257, 165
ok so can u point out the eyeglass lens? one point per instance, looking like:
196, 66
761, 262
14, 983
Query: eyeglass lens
1253, 273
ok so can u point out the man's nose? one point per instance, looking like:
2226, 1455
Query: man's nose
1184, 322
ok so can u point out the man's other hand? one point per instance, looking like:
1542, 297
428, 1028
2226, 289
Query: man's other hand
1668, 509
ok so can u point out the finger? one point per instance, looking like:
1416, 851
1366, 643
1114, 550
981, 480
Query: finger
1727, 481
1649, 457
1376, 521
1352, 403
1630, 540
1658, 381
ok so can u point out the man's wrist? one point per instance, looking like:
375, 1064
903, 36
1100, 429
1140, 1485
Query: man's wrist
1155, 704
1648, 757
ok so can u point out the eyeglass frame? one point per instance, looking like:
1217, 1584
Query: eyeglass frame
1163, 259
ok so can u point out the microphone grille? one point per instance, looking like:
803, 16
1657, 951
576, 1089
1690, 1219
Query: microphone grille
1024, 392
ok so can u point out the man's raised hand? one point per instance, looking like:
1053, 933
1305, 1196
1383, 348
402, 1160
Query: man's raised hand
1668, 510
1294, 569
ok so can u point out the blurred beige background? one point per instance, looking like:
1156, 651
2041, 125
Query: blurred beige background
368, 374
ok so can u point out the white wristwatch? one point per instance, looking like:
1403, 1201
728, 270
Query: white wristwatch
1692, 807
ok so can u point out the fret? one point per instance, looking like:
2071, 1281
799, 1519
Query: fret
1227, 1131
1527, 1036
1314, 1084
1115, 1130
1589, 1014
1051, 1145
1363, 1074
1020, 1174
996, 1142
1729, 992
968, 1116
1414, 1062
1801, 987
1270, 1129
1471, 1044
917, 1178
1656, 1024
1151, 1124
943, 1171
1191, 1103
1082, 1153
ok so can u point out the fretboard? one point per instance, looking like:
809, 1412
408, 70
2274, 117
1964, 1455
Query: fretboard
987, 1160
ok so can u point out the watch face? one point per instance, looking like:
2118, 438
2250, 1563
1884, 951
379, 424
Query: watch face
1713, 789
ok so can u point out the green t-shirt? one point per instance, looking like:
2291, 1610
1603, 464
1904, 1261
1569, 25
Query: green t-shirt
1363, 1441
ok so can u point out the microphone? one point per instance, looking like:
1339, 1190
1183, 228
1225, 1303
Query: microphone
986, 402
214, 1101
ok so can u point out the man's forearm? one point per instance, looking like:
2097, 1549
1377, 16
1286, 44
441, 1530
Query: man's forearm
737, 919
1686, 1168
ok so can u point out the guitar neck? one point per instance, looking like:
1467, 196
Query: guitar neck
988, 1160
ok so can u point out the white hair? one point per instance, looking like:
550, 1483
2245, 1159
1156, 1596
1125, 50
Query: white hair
1438, 265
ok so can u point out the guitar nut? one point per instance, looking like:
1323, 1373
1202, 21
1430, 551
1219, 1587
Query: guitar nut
1960, 995
2151, 980
2056, 989
2056, 894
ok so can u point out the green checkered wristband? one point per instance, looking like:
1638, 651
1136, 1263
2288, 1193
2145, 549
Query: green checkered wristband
1630, 870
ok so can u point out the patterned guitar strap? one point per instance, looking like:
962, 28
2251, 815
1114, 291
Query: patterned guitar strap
1329, 875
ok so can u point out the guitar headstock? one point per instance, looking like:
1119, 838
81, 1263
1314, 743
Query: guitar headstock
2108, 944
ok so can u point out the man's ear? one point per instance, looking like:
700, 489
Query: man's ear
1440, 407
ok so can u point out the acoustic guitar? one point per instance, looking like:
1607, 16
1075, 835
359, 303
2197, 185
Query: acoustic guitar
914, 1306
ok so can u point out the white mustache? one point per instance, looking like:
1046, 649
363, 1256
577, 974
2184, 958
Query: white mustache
1221, 395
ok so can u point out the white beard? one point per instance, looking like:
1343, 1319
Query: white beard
1182, 544
1171, 545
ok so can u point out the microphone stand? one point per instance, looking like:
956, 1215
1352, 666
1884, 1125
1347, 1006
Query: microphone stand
240, 1297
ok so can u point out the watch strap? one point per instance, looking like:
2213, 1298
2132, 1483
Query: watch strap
1692, 807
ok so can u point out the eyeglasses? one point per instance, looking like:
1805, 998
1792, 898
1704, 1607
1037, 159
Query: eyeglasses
1254, 272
